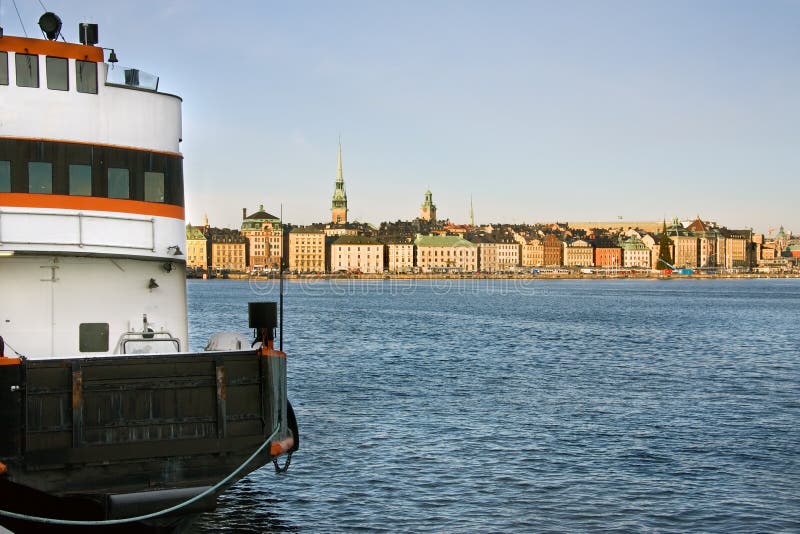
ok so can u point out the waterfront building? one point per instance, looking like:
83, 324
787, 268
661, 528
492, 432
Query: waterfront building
228, 250
533, 253
487, 257
339, 200
428, 210
553, 251
578, 253
446, 254
400, 257
685, 245
508, 256
737, 248
608, 257
307, 250
265, 235
635, 253
357, 254
196, 248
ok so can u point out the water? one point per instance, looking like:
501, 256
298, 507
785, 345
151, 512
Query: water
501, 406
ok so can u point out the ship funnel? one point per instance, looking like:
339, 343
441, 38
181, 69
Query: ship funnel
50, 25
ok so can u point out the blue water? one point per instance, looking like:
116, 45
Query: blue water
502, 406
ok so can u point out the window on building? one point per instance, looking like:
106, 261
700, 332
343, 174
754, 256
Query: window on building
86, 76
27, 70
3, 68
154, 186
5, 176
118, 183
80, 180
57, 77
40, 177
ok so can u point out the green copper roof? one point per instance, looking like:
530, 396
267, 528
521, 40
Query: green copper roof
193, 233
442, 241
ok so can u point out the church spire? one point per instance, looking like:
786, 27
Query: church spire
339, 201
339, 177
471, 213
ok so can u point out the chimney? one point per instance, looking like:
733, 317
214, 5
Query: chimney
244, 213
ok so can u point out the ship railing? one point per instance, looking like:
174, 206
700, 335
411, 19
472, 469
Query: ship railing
148, 342
79, 230
132, 78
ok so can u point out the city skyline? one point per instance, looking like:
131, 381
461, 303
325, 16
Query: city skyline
538, 111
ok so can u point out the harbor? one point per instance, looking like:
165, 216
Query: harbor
570, 405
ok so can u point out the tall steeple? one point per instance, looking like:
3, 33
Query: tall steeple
471, 213
428, 210
339, 201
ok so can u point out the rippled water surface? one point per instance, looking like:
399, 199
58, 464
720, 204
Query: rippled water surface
495, 406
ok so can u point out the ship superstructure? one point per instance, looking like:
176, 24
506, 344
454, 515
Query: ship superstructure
92, 234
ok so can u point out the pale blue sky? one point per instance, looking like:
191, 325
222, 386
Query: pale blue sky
542, 111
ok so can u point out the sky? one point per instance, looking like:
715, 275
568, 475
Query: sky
537, 110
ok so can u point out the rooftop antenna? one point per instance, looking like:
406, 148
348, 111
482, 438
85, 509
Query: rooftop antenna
280, 286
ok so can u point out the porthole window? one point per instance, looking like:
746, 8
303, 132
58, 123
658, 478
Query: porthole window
57, 73
118, 183
3, 68
40, 177
80, 180
86, 76
27, 70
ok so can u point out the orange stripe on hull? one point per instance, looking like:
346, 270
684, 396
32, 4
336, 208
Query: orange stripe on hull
9, 361
67, 202
26, 45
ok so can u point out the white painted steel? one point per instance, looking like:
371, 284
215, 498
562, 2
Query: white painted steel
91, 232
119, 116
47, 297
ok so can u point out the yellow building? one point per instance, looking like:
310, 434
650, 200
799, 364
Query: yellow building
446, 254
307, 250
357, 254
228, 251
196, 248
533, 253
578, 253
685, 250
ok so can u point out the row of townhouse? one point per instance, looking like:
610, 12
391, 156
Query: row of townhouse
262, 241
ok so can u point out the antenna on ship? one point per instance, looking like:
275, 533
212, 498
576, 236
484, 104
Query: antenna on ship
280, 286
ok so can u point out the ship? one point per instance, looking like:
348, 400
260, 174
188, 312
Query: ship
108, 418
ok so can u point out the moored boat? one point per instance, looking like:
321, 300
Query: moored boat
107, 416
